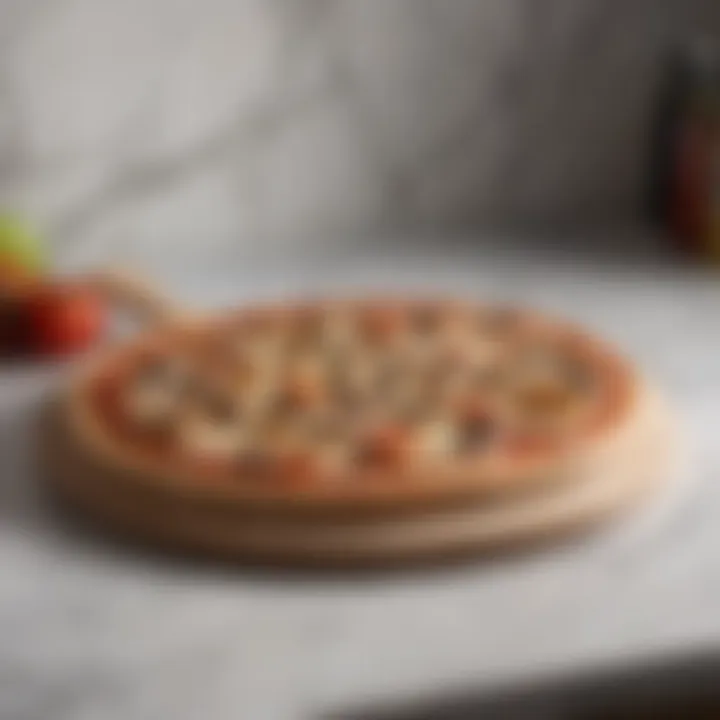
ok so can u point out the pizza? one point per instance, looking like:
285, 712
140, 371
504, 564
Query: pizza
354, 401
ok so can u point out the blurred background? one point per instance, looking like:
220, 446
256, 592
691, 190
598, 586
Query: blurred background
134, 124
160, 130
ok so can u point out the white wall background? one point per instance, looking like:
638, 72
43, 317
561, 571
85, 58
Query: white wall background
137, 123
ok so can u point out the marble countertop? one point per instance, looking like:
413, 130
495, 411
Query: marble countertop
90, 630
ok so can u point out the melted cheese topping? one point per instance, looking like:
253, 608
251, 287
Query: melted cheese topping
317, 395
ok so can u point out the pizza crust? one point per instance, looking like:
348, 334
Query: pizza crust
638, 462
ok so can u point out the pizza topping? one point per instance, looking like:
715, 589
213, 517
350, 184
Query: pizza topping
544, 399
340, 331
390, 378
149, 407
500, 321
476, 435
348, 399
486, 353
332, 458
297, 466
155, 391
411, 410
435, 438
385, 446
381, 326
477, 428
170, 372
198, 434
313, 393
220, 407
263, 351
259, 325
298, 393
426, 320
254, 462
306, 330
446, 371
246, 373
488, 378
527, 443
355, 381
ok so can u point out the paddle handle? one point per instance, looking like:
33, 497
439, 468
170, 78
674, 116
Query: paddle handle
131, 290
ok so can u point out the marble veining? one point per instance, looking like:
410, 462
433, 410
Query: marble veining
262, 123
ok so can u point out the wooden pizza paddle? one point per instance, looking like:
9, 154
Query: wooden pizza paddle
638, 461
130, 291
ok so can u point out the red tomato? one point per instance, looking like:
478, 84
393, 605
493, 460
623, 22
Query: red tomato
381, 325
16, 286
386, 446
63, 318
